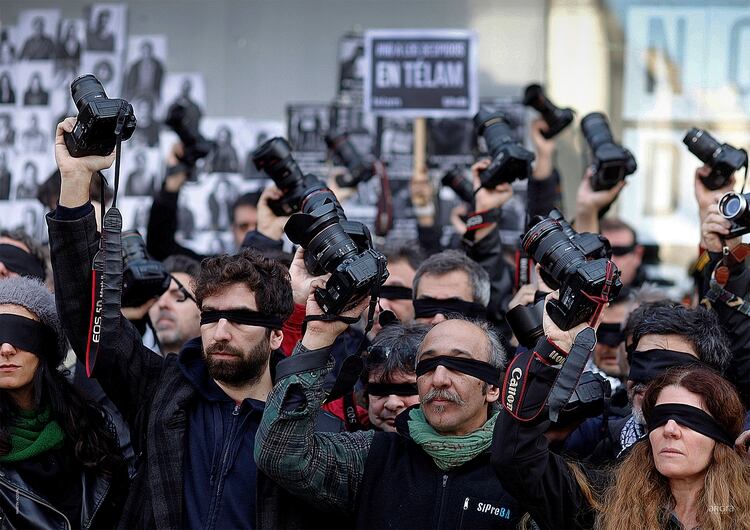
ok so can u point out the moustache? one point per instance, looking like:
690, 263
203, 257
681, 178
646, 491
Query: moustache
446, 395
224, 349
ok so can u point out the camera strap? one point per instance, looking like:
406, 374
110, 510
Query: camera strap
567, 379
106, 273
718, 293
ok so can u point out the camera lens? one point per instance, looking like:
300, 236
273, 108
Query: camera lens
551, 248
344, 153
596, 130
461, 186
85, 88
275, 158
732, 205
322, 237
701, 144
495, 129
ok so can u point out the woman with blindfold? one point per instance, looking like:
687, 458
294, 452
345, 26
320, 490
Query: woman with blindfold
686, 474
60, 460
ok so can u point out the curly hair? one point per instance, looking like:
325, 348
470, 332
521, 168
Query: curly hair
266, 278
641, 497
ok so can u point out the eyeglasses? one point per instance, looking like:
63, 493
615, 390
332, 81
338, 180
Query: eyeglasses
184, 294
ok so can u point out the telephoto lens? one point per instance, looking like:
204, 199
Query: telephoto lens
556, 118
510, 161
723, 159
455, 180
344, 153
585, 284
274, 157
611, 161
733, 207
99, 119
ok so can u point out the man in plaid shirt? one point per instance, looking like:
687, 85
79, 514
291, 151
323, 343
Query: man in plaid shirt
433, 472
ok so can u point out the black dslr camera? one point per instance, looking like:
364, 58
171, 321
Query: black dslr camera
344, 153
142, 278
99, 119
526, 322
338, 246
576, 264
723, 158
194, 145
510, 161
461, 186
557, 119
612, 162
733, 207
275, 158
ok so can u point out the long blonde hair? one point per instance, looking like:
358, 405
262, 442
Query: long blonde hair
641, 497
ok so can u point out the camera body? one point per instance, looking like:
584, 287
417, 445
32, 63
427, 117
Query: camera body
723, 158
576, 264
94, 132
142, 278
455, 180
734, 207
556, 118
344, 153
510, 160
194, 145
612, 162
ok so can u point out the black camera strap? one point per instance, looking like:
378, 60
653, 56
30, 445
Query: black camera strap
570, 373
718, 293
106, 274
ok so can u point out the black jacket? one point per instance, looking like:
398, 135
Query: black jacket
21, 507
151, 392
469, 496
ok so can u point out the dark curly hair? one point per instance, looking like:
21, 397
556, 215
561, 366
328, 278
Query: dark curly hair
266, 278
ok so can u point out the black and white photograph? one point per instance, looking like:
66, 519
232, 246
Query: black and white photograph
141, 169
27, 214
106, 27
135, 212
35, 130
35, 84
29, 171
187, 89
307, 123
258, 132
70, 45
8, 45
352, 66
451, 142
8, 92
36, 34
145, 68
147, 131
393, 145
5, 174
224, 192
7, 129
107, 68
231, 144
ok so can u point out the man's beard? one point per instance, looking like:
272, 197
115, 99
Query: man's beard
245, 368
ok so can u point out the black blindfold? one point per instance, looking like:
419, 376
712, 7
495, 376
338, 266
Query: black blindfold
688, 416
429, 307
479, 369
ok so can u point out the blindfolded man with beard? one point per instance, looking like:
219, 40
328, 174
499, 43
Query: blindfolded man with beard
193, 416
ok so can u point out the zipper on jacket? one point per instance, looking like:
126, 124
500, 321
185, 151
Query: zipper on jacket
442, 502
34, 498
211, 519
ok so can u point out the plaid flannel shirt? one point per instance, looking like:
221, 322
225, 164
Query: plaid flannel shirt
326, 468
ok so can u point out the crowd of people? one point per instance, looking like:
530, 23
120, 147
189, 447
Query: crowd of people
220, 402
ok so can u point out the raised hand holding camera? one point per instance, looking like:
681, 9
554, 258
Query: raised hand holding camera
723, 159
510, 161
611, 161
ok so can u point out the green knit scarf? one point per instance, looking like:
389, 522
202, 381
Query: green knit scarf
449, 451
31, 434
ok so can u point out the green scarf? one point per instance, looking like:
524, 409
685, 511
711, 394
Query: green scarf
31, 434
449, 451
